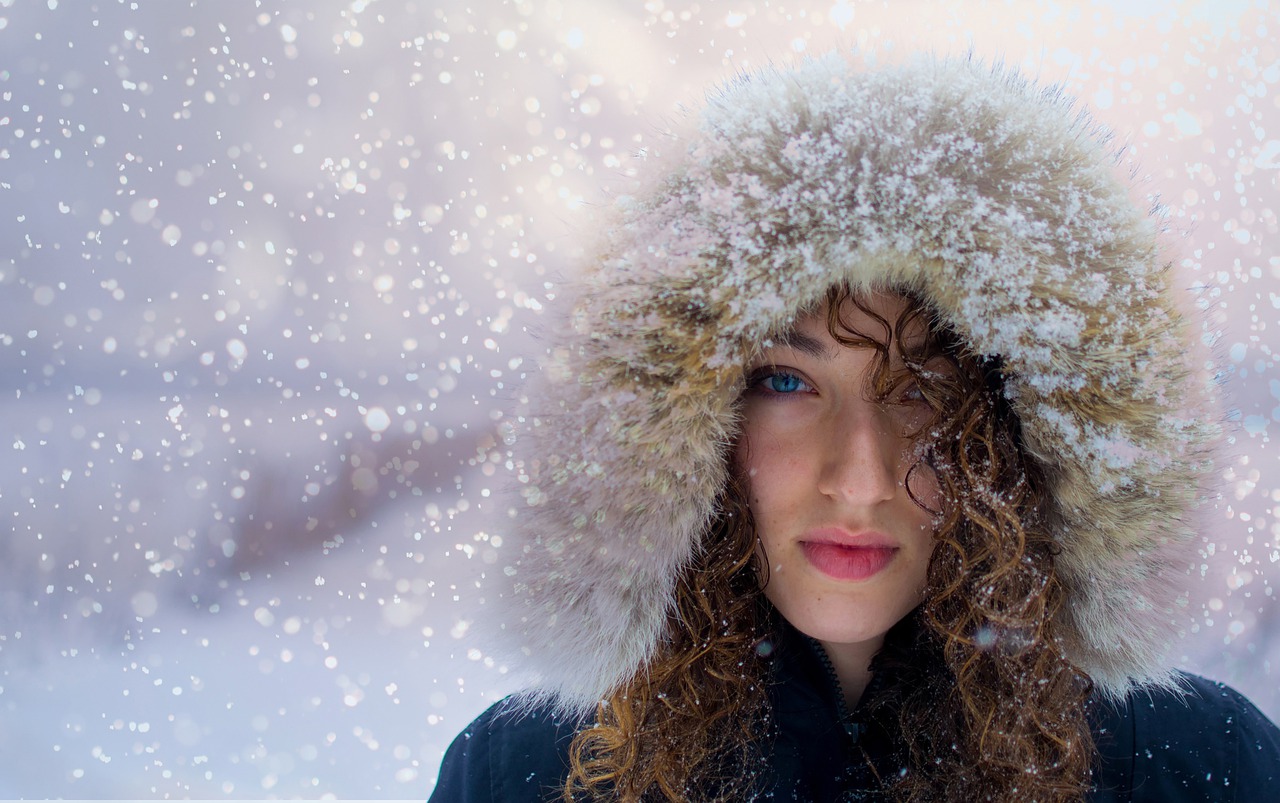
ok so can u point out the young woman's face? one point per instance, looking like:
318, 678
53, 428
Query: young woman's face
826, 465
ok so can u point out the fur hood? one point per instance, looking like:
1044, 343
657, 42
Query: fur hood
995, 200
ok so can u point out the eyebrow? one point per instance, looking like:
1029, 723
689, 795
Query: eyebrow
816, 348
805, 345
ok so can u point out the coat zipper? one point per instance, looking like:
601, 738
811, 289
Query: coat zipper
852, 728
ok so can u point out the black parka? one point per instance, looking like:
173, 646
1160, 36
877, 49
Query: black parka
1207, 743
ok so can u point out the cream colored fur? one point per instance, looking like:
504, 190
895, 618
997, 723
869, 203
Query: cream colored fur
997, 201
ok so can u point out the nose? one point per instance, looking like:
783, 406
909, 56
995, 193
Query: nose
862, 458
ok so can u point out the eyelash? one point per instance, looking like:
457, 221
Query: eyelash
762, 376
910, 394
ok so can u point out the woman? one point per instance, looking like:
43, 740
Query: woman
861, 469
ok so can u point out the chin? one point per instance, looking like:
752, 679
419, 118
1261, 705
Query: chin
842, 632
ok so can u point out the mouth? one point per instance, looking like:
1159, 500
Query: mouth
848, 561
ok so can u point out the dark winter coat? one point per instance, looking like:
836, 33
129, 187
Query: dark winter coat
1207, 743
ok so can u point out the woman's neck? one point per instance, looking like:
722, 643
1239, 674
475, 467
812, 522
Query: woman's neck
852, 664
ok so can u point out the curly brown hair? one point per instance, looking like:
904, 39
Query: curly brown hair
1001, 717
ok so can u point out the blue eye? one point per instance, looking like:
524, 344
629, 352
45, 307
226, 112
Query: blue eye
783, 383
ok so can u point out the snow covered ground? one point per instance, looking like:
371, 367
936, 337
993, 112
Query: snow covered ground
264, 275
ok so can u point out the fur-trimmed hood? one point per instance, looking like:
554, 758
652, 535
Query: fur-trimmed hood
996, 201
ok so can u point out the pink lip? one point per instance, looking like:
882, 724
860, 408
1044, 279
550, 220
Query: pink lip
846, 556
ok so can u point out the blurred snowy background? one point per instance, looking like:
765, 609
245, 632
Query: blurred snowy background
264, 271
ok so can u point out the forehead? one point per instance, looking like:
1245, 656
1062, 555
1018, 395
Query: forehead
873, 316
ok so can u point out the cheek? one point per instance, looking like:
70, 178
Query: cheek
752, 477
761, 469
922, 482
747, 474
740, 466
776, 499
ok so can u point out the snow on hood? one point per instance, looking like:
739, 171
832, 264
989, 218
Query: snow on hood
997, 201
